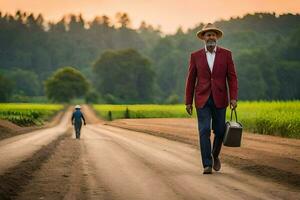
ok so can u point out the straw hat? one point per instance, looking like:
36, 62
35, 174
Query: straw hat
209, 27
77, 106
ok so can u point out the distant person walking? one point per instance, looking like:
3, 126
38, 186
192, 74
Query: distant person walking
206, 80
77, 118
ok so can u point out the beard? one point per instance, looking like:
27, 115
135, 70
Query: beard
211, 43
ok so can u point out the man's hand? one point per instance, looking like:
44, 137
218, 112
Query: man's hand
189, 109
233, 104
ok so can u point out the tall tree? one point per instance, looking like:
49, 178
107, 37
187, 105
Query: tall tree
66, 84
126, 75
123, 20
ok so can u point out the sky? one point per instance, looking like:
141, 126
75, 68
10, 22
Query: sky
168, 14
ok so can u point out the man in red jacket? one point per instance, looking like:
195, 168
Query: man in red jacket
209, 69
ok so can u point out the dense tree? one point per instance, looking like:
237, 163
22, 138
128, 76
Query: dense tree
265, 49
288, 75
6, 88
25, 82
92, 97
124, 74
66, 84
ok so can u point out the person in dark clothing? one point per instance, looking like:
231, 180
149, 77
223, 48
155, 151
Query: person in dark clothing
77, 118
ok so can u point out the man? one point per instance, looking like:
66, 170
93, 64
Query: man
206, 80
76, 120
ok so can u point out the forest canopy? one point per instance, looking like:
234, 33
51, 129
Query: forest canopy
265, 46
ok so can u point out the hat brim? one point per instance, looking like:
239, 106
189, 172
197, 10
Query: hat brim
200, 34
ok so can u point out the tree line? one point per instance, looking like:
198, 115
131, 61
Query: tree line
147, 66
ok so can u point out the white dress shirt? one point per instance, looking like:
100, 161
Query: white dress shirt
210, 57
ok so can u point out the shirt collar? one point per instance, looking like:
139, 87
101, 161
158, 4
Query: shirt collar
215, 49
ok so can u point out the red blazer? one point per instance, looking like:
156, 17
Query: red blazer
202, 82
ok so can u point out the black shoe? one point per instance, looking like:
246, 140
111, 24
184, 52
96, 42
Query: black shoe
207, 170
216, 164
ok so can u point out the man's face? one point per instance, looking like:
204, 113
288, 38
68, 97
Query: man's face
210, 38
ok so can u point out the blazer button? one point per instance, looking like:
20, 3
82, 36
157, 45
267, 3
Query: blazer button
211, 79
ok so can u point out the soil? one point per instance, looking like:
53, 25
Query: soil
268, 156
9, 129
155, 159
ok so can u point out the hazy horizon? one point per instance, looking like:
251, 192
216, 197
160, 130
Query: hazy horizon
157, 13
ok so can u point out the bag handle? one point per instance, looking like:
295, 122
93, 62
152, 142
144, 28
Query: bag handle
228, 95
234, 113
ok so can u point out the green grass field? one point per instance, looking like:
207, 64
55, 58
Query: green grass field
272, 118
26, 114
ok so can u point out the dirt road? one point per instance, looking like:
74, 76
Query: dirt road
19, 148
113, 163
272, 157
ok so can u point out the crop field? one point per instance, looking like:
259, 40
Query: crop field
280, 118
140, 111
26, 114
275, 118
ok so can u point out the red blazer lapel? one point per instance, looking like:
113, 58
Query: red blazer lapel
217, 59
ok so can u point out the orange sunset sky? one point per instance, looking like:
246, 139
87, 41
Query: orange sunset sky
169, 14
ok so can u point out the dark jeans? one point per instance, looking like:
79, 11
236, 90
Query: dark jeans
77, 127
205, 115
